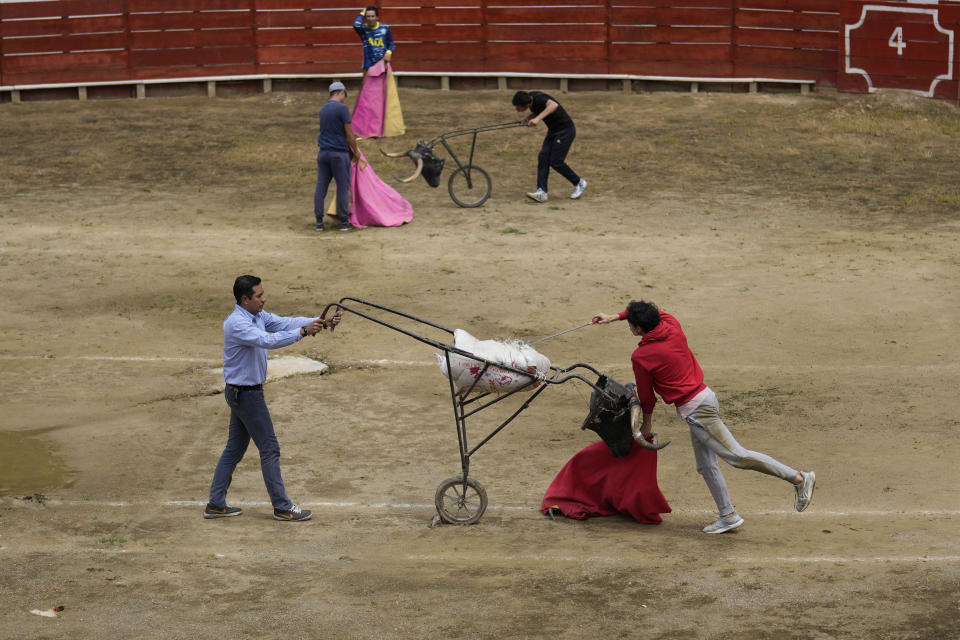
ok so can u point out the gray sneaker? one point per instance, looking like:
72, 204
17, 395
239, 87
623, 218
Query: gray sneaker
211, 511
722, 525
293, 514
805, 489
539, 195
579, 189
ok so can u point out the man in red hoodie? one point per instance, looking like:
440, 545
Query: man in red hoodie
663, 364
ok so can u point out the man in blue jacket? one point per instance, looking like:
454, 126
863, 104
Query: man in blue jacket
376, 37
248, 333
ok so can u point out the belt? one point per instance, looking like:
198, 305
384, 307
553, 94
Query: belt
240, 387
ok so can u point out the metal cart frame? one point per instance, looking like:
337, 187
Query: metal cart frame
460, 499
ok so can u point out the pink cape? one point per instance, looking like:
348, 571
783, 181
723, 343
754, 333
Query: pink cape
377, 112
594, 483
374, 203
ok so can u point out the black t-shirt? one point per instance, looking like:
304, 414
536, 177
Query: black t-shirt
556, 121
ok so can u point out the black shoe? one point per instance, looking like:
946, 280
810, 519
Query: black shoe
220, 512
346, 226
318, 227
293, 514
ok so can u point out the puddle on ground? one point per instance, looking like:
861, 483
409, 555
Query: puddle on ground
29, 463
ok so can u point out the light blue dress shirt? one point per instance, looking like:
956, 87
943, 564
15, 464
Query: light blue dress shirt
246, 339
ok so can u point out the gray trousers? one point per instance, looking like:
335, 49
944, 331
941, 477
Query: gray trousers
712, 439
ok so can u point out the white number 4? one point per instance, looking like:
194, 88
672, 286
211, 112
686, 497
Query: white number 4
896, 40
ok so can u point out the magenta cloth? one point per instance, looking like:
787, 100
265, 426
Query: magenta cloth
374, 203
594, 483
368, 113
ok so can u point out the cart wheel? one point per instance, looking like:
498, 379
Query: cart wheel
459, 503
469, 192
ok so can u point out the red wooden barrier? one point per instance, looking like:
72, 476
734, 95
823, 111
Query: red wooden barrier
856, 45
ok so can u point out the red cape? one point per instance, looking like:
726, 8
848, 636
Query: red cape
594, 483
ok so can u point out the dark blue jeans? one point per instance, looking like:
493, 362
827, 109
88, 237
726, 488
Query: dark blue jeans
333, 165
553, 155
249, 419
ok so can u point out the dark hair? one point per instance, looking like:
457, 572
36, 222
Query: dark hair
521, 99
243, 287
372, 8
643, 314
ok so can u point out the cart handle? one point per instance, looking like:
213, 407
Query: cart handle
474, 131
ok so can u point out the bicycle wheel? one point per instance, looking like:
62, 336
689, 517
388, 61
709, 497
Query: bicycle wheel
461, 503
469, 186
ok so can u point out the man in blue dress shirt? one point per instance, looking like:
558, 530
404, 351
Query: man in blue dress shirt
248, 333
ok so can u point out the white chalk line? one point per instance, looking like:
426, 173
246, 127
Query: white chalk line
406, 506
431, 363
546, 558
115, 358
904, 559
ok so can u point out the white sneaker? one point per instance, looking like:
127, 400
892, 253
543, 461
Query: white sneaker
539, 195
722, 525
805, 489
579, 189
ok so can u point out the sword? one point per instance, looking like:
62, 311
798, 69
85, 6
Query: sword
561, 333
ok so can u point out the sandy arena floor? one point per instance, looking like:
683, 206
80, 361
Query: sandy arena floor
809, 245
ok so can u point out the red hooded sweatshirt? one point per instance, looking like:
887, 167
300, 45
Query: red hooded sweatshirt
664, 363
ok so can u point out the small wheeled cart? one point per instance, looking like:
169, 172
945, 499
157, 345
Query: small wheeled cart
469, 185
460, 499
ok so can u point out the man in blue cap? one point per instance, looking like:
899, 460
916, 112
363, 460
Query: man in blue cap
338, 147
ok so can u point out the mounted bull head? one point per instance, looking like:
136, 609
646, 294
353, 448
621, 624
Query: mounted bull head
615, 418
429, 164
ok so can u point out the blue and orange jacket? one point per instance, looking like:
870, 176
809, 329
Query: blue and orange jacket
376, 41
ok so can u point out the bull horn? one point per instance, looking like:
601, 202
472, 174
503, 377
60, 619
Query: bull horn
416, 174
638, 436
394, 154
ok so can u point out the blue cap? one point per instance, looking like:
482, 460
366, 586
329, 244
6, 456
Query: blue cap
337, 86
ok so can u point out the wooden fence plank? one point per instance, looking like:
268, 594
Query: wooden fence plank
544, 33
807, 59
788, 20
279, 37
669, 4
670, 52
23, 28
190, 20
550, 56
65, 44
827, 6
77, 61
195, 38
546, 15
172, 6
792, 39
638, 34
342, 19
437, 33
331, 53
697, 69
670, 16
198, 57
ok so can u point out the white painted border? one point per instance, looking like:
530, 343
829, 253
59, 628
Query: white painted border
863, 72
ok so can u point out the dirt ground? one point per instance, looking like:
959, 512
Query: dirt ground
809, 245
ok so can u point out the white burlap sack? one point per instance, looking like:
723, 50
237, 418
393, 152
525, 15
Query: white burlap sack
514, 353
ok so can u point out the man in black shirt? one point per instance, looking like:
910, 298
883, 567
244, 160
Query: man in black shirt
560, 134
